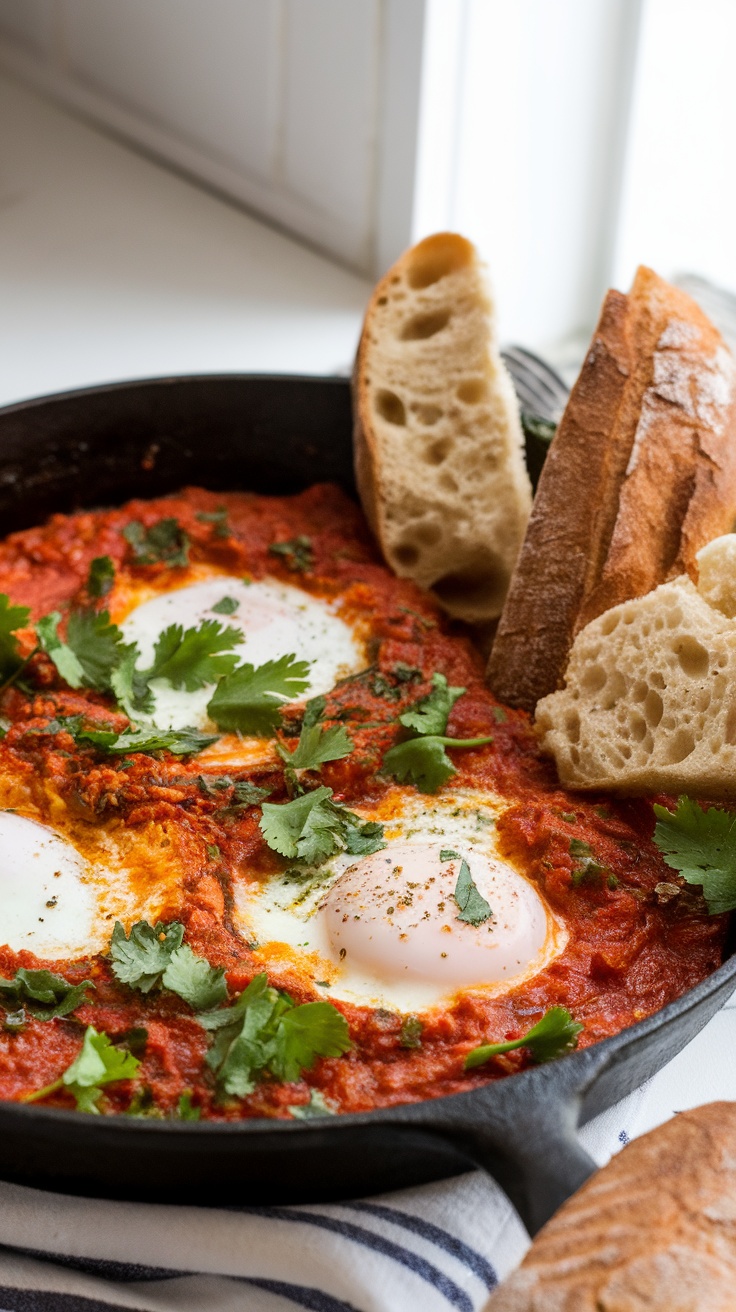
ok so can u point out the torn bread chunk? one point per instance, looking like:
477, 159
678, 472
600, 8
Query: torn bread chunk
649, 703
438, 441
640, 475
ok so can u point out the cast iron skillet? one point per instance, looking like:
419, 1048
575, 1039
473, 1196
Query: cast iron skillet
98, 447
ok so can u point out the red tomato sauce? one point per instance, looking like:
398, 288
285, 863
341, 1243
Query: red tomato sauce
634, 944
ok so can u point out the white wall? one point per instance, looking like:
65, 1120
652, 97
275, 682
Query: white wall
304, 110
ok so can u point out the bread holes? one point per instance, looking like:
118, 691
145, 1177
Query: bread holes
572, 726
438, 451
639, 691
615, 690
729, 733
471, 591
429, 533
674, 617
680, 746
638, 728
653, 708
437, 257
390, 407
448, 482
594, 678
609, 622
406, 555
692, 656
472, 391
382, 300
422, 326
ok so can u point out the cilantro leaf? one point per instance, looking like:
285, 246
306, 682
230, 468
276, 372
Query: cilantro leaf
424, 761
11, 619
226, 606
447, 854
192, 658
420, 761
99, 1063
472, 906
185, 1108
153, 956
46, 995
297, 554
304, 1033
218, 520
180, 742
164, 543
91, 652
554, 1035
410, 1035
249, 699
140, 958
130, 686
317, 745
201, 985
701, 845
314, 711
431, 713
312, 828
317, 1106
101, 576
265, 1033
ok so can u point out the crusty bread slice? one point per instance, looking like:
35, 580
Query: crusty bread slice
655, 1228
649, 703
438, 442
640, 475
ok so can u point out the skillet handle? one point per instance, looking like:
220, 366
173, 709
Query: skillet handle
524, 1134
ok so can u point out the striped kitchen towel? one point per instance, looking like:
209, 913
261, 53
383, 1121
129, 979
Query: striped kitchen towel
440, 1247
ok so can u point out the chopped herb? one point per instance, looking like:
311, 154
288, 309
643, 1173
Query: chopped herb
134, 1039
101, 576
297, 554
130, 686
612, 882
578, 847
263, 1032
213, 852
472, 906
12, 618
424, 761
219, 521
91, 652
317, 1106
249, 699
246, 794
180, 742
410, 1035
426, 623
554, 1035
152, 956
227, 606
569, 817
164, 543
312, 828
429, 716
185, 1108
314, 711
499, 715
447, 854
193, 658
701, 845
45, 995
99, 1063
316, 746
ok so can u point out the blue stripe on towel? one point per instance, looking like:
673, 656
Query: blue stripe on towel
316, 1300
442, 1238
367, 1239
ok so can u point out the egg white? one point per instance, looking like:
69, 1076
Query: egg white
59, 901
275, 619
384, 930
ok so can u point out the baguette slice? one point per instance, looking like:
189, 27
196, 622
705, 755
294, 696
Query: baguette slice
438, 443
640, 475
654, 1229
649, 704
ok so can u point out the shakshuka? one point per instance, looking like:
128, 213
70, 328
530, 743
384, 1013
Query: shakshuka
269, 846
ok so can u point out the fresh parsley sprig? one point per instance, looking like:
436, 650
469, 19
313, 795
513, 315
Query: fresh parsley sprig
12, 618
99, 1063
554, 1035
297, 554
249, 700
91, 652
153, 956
422, 759
265, 1033
101, 577
140, 738
701, 845
313, 827
472, 906
192, 658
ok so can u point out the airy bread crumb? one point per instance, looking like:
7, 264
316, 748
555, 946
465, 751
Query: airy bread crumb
438, 442
649, 703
